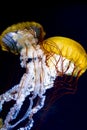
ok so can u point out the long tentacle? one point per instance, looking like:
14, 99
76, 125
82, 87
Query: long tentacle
8, 96
30, 112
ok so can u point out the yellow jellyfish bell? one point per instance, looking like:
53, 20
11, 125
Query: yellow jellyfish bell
68, 48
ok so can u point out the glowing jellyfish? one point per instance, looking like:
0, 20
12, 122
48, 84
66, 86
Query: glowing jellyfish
67, 60
45, 61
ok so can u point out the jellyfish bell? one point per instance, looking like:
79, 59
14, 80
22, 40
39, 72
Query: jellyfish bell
14, 37
72, 53
21, 38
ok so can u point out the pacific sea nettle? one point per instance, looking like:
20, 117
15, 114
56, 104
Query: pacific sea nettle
69, 60
54, 63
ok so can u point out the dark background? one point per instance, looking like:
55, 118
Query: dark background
69, 20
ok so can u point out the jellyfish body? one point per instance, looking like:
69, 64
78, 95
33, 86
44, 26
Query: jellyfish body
69, 49
44, 60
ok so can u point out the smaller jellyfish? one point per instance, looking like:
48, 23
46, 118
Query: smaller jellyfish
55, 62
23, 39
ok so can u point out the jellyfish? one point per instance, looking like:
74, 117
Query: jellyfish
44, 60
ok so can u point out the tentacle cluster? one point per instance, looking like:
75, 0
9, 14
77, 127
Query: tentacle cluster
44, 62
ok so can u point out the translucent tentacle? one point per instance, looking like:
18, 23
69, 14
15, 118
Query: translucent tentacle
30, 112
8, 96
13, 112
12, 94
34, 110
